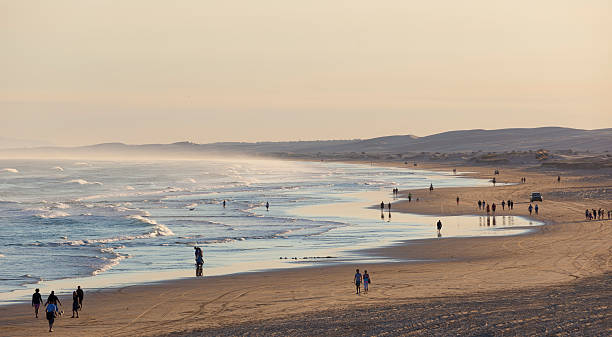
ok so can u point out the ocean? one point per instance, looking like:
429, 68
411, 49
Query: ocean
105, 223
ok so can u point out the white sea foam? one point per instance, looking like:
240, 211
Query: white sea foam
58, 168
191, 206
129, 188
158, 229
84, 182
1, 255
191, 180
53, 214
81, 163
61, 205
111, 262
11, 170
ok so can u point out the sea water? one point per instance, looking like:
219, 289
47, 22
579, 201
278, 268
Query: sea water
121, 222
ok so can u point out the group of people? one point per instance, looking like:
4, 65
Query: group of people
382, 206
531, 208
597, 214
53, 303
483, 205
395, 192
359, 278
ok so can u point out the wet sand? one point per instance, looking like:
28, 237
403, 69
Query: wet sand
477, 276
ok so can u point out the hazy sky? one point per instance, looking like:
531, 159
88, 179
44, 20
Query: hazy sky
142, 71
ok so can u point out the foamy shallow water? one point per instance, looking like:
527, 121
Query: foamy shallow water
104, 223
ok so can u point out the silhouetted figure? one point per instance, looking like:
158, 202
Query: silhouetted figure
430, 187
457, 200
199, 258
558, 179
530, 208
357, 280
493, 207
479, 204
439, 225
223, 203
81, 295
267, 206
409, 197
493, 181
503, 203
75, 304
366, 281
36, 301
53, 299
389, 207
488, 209
536, 209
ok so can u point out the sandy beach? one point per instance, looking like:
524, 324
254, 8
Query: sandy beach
467, 285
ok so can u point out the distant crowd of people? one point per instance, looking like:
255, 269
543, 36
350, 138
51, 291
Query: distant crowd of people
52, 305
597, 214
483, 205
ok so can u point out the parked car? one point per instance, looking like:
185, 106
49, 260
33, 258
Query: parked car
536, 196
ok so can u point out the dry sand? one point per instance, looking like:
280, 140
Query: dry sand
492, 281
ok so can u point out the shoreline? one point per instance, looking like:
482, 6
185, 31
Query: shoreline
459, 266
112, 280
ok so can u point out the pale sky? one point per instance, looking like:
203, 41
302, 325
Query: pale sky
145, 71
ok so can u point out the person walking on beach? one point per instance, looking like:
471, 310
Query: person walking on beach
430, 187
389, 207
199, 260
223, 203
530, 209
493, 207
488, 209
51, 311
80, 294
53, 299
382, 206
357, 280
558, 179
36, 301
457, 200
75, 304
439, 225
503, 205
536, 209
479, 204
366, 281
409, 197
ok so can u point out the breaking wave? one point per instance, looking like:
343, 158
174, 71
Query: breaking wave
52, 215
84, 182
12, 170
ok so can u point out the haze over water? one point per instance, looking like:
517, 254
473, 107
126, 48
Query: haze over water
71, 219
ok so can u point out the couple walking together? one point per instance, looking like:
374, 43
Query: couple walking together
359, 278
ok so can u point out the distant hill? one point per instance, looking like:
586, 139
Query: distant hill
502, 140
523, 139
